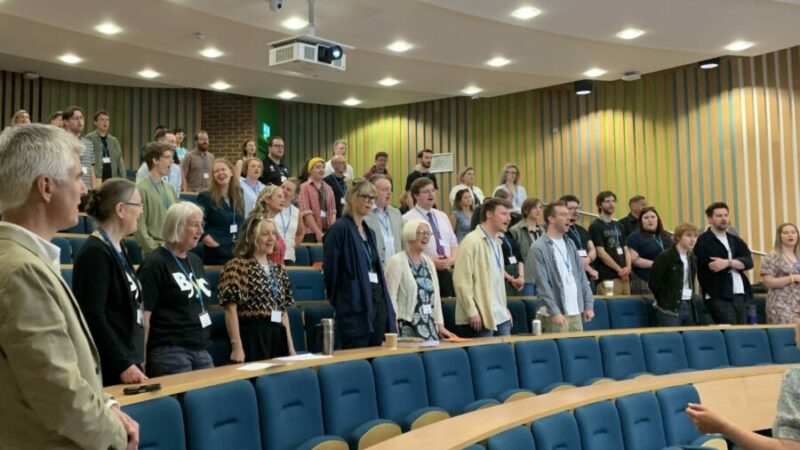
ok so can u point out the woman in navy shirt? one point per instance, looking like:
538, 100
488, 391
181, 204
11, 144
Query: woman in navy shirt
223, 209
645, 244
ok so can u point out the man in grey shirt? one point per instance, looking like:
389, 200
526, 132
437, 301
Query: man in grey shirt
385, 220
561, 282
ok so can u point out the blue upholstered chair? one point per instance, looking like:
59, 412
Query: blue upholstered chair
557, 432
494, 372
601, 320
628, 313
449, 380
301, 256
784, 349
220, 346
134, 250
517, 438
296, 328
622, 356
307, 284
66, 249
599, 426
160, 424
705, 349
642, 426
222, 416
77, 244
580, 360
316, 253
678, 428
539, 366
664, 353
520, 319
748, 347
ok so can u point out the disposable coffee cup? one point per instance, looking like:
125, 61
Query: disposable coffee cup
608, 285
391, 340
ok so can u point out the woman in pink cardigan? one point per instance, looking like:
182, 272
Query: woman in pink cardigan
316, 198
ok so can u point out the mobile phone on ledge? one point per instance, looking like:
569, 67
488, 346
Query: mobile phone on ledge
133, 390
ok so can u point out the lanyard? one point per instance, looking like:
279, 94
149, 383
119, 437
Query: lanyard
272, 279
563, 257
574, 232
164, 200
659, 242
383, 219
124, 260
286, 223
256, 190
192, 279
369, 252
104, 143
498, 254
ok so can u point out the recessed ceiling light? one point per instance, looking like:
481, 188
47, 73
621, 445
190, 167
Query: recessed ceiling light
388, 81
472, 90
352, 101
594, 73
709, 64
525, 13
737, 46
295, 23
109, 28
400, 46
630, 33
220, 85
498, 61
70, 58
287, 95
211, 52
149, 73
583, 87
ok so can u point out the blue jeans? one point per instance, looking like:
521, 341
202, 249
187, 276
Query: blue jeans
170, 359
684, 318
503, 329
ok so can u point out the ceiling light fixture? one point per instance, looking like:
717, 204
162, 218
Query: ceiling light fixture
498, 61
583, 87
211, 52
712, 63
295, 23
287, 95
149, 73
400, 46
70, 58
594, 73
630, 33
352, 101
471, 90
388, 82
109, 28
220, 85
738, 46
525, 13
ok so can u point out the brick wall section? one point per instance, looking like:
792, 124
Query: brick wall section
229, 120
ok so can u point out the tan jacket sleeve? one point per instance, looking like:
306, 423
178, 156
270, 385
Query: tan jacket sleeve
463, 274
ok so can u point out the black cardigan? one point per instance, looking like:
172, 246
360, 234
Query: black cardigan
103, 292
719, 285
666, 278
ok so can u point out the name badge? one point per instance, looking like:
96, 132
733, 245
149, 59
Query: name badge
427, 310
373, 277
687, 294
206, 176
512, 259
234, 228
323, 214
283, 179
84, 170
139, 316
342, 201
619, 251
205, 319
582, 253
276, 316
106, 160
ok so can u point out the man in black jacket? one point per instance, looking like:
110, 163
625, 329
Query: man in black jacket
722, 259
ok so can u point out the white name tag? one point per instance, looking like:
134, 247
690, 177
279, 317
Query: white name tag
276, 316
234, 228
323, 214
582, 253
140, 316
206, 176
619, 251
205, 319
512, 259
342, 201
84, 170
283, 179
106, 160
687, 294
427, 310
373, 277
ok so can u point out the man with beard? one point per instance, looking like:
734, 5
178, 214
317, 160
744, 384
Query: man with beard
630, 223
561, 282
613, 262
579, 236
197, 164
275, 171
721, 260
479, 274
424, 157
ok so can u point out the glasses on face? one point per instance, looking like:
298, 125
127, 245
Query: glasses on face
424, 234
278, 146
132, 204
368, 198
427, 191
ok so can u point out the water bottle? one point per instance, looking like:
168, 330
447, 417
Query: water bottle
327, 336
752, 317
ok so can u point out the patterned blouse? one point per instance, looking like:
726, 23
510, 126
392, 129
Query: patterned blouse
256, 290
783, 304
787, 416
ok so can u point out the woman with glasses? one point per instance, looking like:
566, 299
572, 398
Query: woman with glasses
105, 284
354, 279
509, 180
414, 287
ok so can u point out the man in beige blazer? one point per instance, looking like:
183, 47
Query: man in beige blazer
50, 385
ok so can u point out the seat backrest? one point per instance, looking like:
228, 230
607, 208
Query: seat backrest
306, 284
296, 328
761, 308
290, 408
599, 426
78, 228
66, 274
664, 352
784, 349
622, 355
449, 314
77, 244
134, 250
66, 250
220, 343
312, 316
557, 432
494, 370
160, 424
212, 275
88, 225
520, 319
538, 365
348, 396
301, 256
449, 379
517, 438
748, 347
531, 307
222, 416
678, 428
705, 349
628, 313
580, 359
601, 320
642, 427
316, 253
400, 385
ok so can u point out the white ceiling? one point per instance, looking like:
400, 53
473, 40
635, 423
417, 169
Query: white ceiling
452, 41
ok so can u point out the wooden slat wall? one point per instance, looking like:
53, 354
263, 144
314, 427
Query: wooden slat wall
17, 93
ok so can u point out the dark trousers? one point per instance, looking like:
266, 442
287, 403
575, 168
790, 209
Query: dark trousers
446, 288
685, 317
169, 359
733, 311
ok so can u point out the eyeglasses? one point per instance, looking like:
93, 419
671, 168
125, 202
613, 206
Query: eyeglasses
368, 198
424, 234
428, 191
132, 204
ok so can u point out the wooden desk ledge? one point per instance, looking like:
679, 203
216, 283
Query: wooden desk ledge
755, 394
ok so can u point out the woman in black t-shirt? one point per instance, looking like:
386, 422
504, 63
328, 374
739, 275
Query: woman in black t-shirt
176, 297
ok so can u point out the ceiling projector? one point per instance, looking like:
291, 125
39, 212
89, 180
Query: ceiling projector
306, 54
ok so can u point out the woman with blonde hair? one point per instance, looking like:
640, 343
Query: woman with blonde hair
255, 292
509, 180
223, 208
20, 117
269, 204
251, 186
466, 180
780, 272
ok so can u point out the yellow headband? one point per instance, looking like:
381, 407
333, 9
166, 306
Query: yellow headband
313, 161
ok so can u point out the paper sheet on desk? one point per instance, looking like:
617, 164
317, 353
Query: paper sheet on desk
303, 357
256, 366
